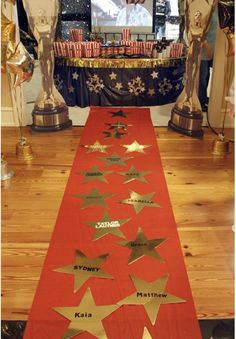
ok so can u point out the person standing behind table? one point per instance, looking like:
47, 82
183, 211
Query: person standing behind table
207, 61
133, 14
163, 11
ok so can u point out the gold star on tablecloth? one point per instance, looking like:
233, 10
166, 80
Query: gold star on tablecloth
119, 86
86, 317
151, 295
135, 147
71, 89
115, 159
95, 84
142, 246
136, 86
93, 198
97, 147
151, 91
75, 75
95, 174
119, 113
134, 174
83, 268
154, 75
113, 76
140, 201
107, 226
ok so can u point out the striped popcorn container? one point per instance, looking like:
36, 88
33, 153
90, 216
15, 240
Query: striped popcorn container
176, 50
78, 49
103, 51
63, 48
88, 49
132, 47
77, 34
69, 49
121, 50
148, 48
95, 49
56, 49
125, 34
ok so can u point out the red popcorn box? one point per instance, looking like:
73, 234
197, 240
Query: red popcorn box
78, 49
103, 51
56, 49
176, 50
125, 33
88, 50
148, 48
121, 50
96, 49
64, 49
69, 49
125, 42
77, 34
132, 47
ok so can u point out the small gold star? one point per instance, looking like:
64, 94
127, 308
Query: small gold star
97, 147
154, 75
119, 86
93, 198
113, 76
95, 174
134, 174
75, 75
140, 201
135, 147
115, 159
71, 89
151, 91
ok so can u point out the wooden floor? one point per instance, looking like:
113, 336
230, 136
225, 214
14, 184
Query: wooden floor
201, 189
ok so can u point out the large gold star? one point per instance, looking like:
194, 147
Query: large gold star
142, 246
107, 225
140, 201
154, 75
93, 198
86, 317
135, 147
115, 159
151, 295
84, 268
97, 147
95, 174
134, 174
146, 334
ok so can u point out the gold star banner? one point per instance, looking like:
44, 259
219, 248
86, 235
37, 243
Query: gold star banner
152, 295
95, 174
140, 201
115, 159
93, 198
134, 174
107, 226
135, 147
97, 147
141, 246
83, 268
86, 317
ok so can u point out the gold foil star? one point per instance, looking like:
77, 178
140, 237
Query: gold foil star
154, 75
95, 174
140, 201
114, 134
142, 246
134, 174
151, 91
71, 89
135, 147
115, 159
75, 75
86, 317
119, 86
113, 76
84, 268
93, 198
97, 147
151, 295
146, 334
119, 125
107, 226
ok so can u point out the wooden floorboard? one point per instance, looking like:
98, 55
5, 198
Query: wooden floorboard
201, 188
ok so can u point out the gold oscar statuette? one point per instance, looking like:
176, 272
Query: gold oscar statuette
186, 115
50, 112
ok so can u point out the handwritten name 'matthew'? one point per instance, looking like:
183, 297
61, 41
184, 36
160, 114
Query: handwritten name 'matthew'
150, 295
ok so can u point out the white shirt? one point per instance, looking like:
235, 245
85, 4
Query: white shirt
135, 16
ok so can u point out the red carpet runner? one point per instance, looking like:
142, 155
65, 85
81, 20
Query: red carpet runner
114, 268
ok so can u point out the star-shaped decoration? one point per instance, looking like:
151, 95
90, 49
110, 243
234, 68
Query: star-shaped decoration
119, 86
140, 201
119, 113
97, 147
83, 268
113, 76
95, 174
141, 246
151, 91
134, 174
75, 76
93, 198
175, 72
152, 295
146, 334
177, 87
114, 134
119, 125
135, 147
154, 75
115, 159
106, 225
86, 317
71, 89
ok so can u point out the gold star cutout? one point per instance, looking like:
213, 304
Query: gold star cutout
119, 86
75, 75
134, 174
113, 76
84, 268
135, 147
71, 89
119, 125
177, 87
151, 91
86, 317
146, 334
151, 295
114, 134
115, 159
119, 113
93, 198
97, 147
94, 174
140, 201
107, 226
154, 75
142, 246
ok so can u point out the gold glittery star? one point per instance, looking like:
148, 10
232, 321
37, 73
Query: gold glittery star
140, 201
86, 317
97, 147
95, 174
151, 91
71, 89
151, 295
113, 76
93, 198
75, 75
134, 174
115, 159
107, 226
142, 246
83, 268
135, 147
119, 86
154, 75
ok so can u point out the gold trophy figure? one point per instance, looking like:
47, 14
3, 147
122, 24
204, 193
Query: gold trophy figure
50, 112
186, 115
